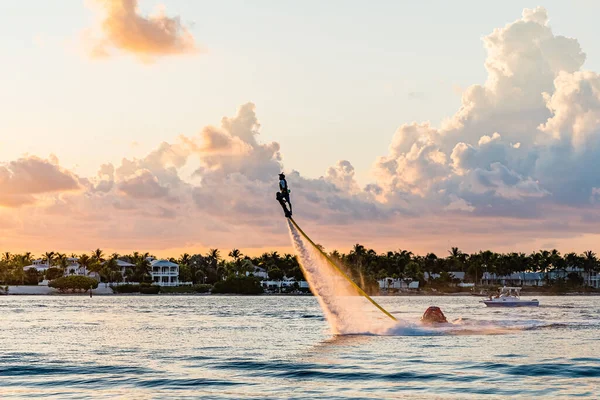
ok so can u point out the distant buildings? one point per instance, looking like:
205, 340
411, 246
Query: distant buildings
164, 273
516, 279
72, 266
591, 279
40, 265
397, 284
259, 273
285, 284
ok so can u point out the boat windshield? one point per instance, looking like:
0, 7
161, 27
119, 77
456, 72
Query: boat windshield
510, 292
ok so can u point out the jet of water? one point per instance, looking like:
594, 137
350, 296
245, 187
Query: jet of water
346, 310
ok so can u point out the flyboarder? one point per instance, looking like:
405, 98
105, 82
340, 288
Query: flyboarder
285, 191
283, 196
281, 201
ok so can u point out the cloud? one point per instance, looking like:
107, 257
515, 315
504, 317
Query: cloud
233, 148
342, 176
515, 167
125, 29
20, 180
143, 185
458, 204
530, 131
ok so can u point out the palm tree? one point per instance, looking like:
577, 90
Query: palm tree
430, 263
458, 258
84, 262
214, 255
142, 269
184, 259
48, 256
235, 254
62, 261
335, 255
27, 257
590, 261
98, 255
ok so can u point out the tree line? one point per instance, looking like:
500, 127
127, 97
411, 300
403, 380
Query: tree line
364, 265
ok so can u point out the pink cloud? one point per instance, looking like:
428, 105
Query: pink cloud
124, 28
26, 177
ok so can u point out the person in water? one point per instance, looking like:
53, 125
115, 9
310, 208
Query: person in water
434, 315
285, 191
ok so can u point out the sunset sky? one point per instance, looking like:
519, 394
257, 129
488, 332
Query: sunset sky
161, 126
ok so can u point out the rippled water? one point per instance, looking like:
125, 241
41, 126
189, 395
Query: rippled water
281, 347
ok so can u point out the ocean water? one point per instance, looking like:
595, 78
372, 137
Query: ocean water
281, 347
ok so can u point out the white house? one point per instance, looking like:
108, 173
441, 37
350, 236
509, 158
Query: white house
124, 266
392, 283
72, 266
259, 273
164, 273
40, 265
453, 274
516, 279
592, 279
400, 284
285, 283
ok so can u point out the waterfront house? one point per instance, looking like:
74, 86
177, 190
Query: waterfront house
73, 267
164, 273
124, 266
259, 273
397, 284
515, 279
40, 265
392, 283
457, 277
592, 279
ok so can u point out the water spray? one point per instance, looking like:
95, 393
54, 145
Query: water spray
347, 307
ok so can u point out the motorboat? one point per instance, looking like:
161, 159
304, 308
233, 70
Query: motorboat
510, 297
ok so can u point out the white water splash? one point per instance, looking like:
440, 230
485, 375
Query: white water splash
350, 313
345, 309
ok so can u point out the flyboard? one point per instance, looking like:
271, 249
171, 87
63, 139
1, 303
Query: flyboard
358, 289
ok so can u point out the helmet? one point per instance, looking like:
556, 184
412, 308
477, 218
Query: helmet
282, 175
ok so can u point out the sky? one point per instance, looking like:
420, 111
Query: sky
161, 126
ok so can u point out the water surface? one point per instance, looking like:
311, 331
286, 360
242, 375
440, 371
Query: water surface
281, 347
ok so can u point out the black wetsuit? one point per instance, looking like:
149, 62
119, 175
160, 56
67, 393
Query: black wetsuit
281, 201
283, 186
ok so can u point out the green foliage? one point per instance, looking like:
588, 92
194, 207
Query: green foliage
574, 280
32, 277
146, 288
239, 285
276, 274
200, 288
53, 273
74, 283
125, 288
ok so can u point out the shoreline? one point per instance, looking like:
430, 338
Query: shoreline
103, 294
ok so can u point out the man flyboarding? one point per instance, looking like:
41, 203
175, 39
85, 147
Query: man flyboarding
283, 196
285, 191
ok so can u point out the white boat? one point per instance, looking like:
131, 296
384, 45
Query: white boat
510, 297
